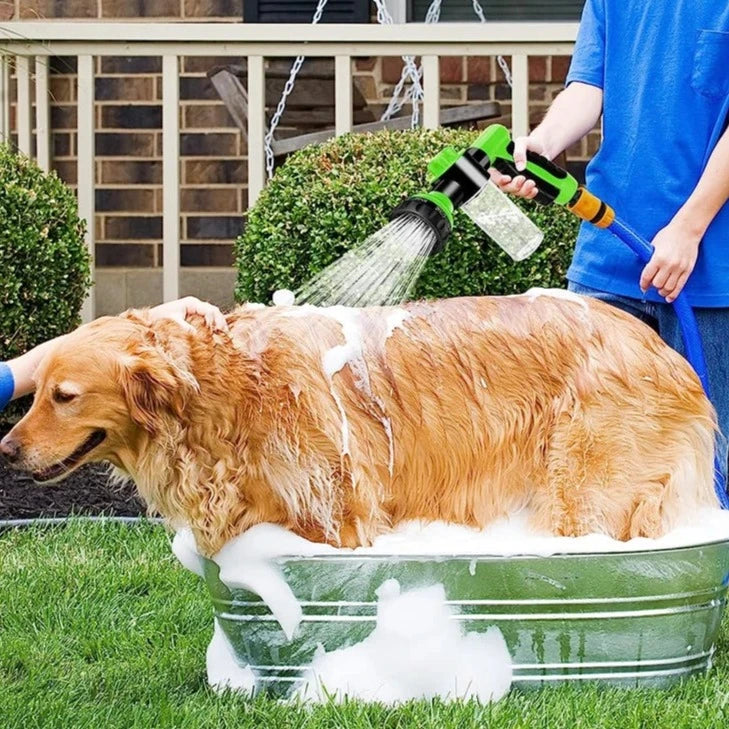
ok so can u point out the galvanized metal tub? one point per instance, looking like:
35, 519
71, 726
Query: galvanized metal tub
644, 618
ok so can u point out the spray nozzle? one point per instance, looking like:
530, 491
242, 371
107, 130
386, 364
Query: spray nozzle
434, 209
460, 179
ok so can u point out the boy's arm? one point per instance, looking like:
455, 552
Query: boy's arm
572, 114
576, 110
17, 375
677, 245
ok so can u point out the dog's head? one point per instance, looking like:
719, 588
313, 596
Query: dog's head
99, 392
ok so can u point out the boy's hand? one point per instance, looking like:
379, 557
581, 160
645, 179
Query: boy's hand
676, 249
182, 308
519, 185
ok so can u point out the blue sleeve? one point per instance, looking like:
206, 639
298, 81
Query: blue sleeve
588, 59
7, 385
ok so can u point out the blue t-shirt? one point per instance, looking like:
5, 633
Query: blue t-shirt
664, 70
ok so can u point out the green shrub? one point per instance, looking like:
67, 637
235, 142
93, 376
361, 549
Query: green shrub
326, 199
44, 264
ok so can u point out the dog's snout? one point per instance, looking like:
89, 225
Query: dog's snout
10, 449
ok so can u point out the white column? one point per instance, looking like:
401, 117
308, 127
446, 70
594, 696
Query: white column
343, 94
520, 95
170, 178
4, 98
256, 128
86, 173
42, 114
431, 92
22, 70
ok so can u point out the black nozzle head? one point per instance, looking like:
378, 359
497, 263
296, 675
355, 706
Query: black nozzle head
429, 213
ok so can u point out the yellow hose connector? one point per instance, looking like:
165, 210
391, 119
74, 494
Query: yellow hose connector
590, 208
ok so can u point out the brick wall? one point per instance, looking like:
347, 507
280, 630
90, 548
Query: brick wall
213, 172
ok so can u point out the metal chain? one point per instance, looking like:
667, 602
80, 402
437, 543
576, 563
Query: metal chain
503, 65
410, 71
288, 88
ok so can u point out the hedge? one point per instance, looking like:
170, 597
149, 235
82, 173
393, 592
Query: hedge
327, 198
44, 264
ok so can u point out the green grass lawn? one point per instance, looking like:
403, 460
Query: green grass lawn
100, 627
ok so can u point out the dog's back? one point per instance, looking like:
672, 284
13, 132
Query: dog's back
467, 409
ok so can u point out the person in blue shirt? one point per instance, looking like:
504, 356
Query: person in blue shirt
658, 74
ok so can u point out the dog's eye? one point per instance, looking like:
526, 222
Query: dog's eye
61, 396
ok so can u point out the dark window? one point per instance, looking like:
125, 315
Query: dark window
302, 11
500, 10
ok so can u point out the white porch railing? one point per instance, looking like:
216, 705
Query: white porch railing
31, 43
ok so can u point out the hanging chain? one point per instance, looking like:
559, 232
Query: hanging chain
410, 71
503, 65
288, 88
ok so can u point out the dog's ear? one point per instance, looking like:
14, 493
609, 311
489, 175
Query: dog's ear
156, 379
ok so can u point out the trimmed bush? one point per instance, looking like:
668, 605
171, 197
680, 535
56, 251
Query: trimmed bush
44, 264
327, 198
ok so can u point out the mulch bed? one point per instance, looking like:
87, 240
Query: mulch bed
87, 491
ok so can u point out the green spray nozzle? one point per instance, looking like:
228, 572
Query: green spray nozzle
440, 164
555, 185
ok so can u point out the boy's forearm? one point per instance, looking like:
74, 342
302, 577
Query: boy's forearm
572, 114
23, 368
711, 192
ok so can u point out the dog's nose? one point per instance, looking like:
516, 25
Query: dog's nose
10, 449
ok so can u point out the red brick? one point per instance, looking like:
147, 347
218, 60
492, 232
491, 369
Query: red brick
206, 254
125, 88
209, 200
451, 69
124, 200
133, 227
67, 171
140, 8
365, 64
537, 68
537, 92
214, 171
202, 64
478, 69
391, 69
132, 172
40, 9
213, 9
206, 116
560, 66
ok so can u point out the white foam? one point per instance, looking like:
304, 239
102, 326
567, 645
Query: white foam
185, 549
513, 536
416, 651
247, 562
395, 320
534, 293
253, 306
224, 671
283, 297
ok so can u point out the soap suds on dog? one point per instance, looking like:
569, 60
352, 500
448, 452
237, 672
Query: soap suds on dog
563, 294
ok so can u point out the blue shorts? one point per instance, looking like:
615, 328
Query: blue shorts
714, 328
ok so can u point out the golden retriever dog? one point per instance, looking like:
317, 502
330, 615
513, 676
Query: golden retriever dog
339, 423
